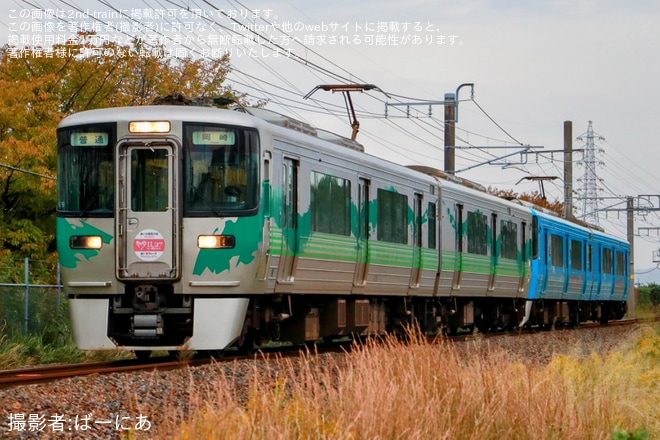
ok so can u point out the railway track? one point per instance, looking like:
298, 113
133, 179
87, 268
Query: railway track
48, 373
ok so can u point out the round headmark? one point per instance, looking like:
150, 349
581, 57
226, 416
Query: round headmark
149, 245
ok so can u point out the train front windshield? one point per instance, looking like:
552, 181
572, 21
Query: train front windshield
221, 172
86, 170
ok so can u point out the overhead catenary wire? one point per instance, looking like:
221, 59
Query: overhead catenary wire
306, 63
331, 70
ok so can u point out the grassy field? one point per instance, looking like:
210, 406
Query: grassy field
20, 351
424, 391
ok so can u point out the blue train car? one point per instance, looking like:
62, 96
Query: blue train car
578, 273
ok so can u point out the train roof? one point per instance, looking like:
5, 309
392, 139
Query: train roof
207, 114
284, 126
280, 126
303, 127
275, 124
587, 228
154, 112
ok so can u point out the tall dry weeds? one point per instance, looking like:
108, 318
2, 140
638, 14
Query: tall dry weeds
392, 390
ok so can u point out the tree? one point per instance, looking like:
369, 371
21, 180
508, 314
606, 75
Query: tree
42, 87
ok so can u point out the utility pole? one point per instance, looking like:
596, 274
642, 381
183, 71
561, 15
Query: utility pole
450, 133
645, 203
451, 117
632, 295
568, 170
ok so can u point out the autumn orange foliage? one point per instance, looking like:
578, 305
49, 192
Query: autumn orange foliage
39, 90
534, 197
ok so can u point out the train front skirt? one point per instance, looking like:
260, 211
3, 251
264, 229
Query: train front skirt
217, 322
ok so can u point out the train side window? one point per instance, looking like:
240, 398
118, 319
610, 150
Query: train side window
330, 204
620, 264
590, 258
523, 240
363, 203
477, 233
459, 228
417, 231
608, 261
576, 255
266, 188
290, 199
535, 237
432, 225
493, 237
392, 217
509, 239
557, 250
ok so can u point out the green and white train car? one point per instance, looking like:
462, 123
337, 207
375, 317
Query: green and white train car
186, 227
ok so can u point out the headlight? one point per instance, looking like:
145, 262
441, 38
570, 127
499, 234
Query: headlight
149, 127
216, 241
86, 242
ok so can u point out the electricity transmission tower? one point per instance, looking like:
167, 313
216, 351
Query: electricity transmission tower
590, 180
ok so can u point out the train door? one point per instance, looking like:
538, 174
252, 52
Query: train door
495, 252
289, 249
589, 269
417, 243
362, 264
523, 257
458, 267
147, 214
545, 258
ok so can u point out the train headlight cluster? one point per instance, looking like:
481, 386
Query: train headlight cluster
149, 127
216, 241
86, 242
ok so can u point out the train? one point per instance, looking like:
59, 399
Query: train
192, 227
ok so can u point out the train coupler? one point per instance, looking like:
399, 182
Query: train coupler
147, 325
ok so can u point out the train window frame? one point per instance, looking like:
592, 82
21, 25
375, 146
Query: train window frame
150, 180
88, 193
392, 216
432, 220
477, 233
576, 254
621, 263
608, 261
523, 242
556, 250
459, 209
509, 240
238, 194
330, 210
535, 238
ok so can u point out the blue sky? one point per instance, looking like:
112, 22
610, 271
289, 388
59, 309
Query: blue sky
534, 64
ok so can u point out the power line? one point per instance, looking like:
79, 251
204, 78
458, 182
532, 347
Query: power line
32, 173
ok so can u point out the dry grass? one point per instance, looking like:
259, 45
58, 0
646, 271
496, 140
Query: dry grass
425, 391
